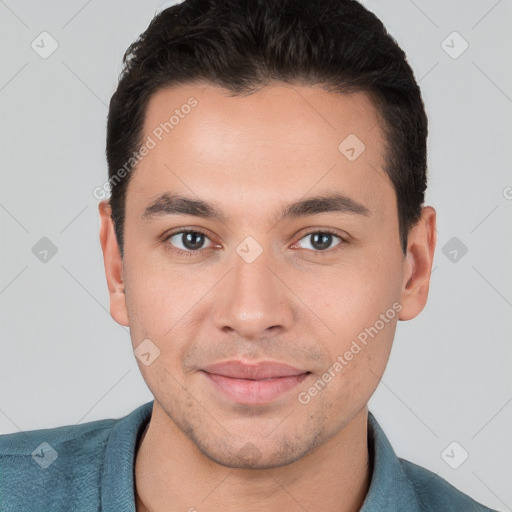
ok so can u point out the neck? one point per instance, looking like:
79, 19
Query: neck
172, 474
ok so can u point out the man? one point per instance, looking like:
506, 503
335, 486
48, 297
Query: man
265, 233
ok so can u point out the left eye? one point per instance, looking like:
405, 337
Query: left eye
321, 240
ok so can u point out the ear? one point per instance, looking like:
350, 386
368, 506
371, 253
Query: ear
417, 265
113, 265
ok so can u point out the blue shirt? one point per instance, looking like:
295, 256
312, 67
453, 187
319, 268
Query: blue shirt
90, 467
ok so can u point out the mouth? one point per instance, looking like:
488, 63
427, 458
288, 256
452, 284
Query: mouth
253, 384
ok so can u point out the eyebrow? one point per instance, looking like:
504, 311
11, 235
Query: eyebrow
173, 204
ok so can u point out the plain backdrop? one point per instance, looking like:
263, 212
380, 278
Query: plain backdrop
65, 361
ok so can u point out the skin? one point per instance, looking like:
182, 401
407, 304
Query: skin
295, 303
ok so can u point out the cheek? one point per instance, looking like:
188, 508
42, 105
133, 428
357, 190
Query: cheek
357, 365
155, 293
359, 304
350, 297
377, 282
163, 305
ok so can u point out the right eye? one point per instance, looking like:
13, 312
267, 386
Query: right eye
191, 241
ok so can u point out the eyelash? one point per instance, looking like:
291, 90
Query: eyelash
179, 252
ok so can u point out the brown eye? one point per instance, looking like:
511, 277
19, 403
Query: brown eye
187, 241
321, 241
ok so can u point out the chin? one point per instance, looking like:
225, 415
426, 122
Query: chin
254, 455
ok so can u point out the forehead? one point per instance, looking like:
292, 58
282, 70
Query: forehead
281, 141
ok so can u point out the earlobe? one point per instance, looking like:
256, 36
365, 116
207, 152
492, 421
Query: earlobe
113, 265
417, 265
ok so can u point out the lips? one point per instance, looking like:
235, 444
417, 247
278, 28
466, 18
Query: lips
253, 384
259, 371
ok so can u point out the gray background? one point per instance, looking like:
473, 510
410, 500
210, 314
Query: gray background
65, 361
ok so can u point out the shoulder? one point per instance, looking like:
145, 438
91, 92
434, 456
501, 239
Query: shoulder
65, 437
436, 494
44, 468
398, 484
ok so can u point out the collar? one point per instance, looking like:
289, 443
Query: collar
390, 489
118, 474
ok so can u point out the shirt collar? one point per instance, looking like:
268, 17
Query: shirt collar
118, 474
390, 489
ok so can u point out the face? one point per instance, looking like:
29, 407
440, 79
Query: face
268, 295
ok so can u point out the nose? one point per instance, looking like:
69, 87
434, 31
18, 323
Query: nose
254, 301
